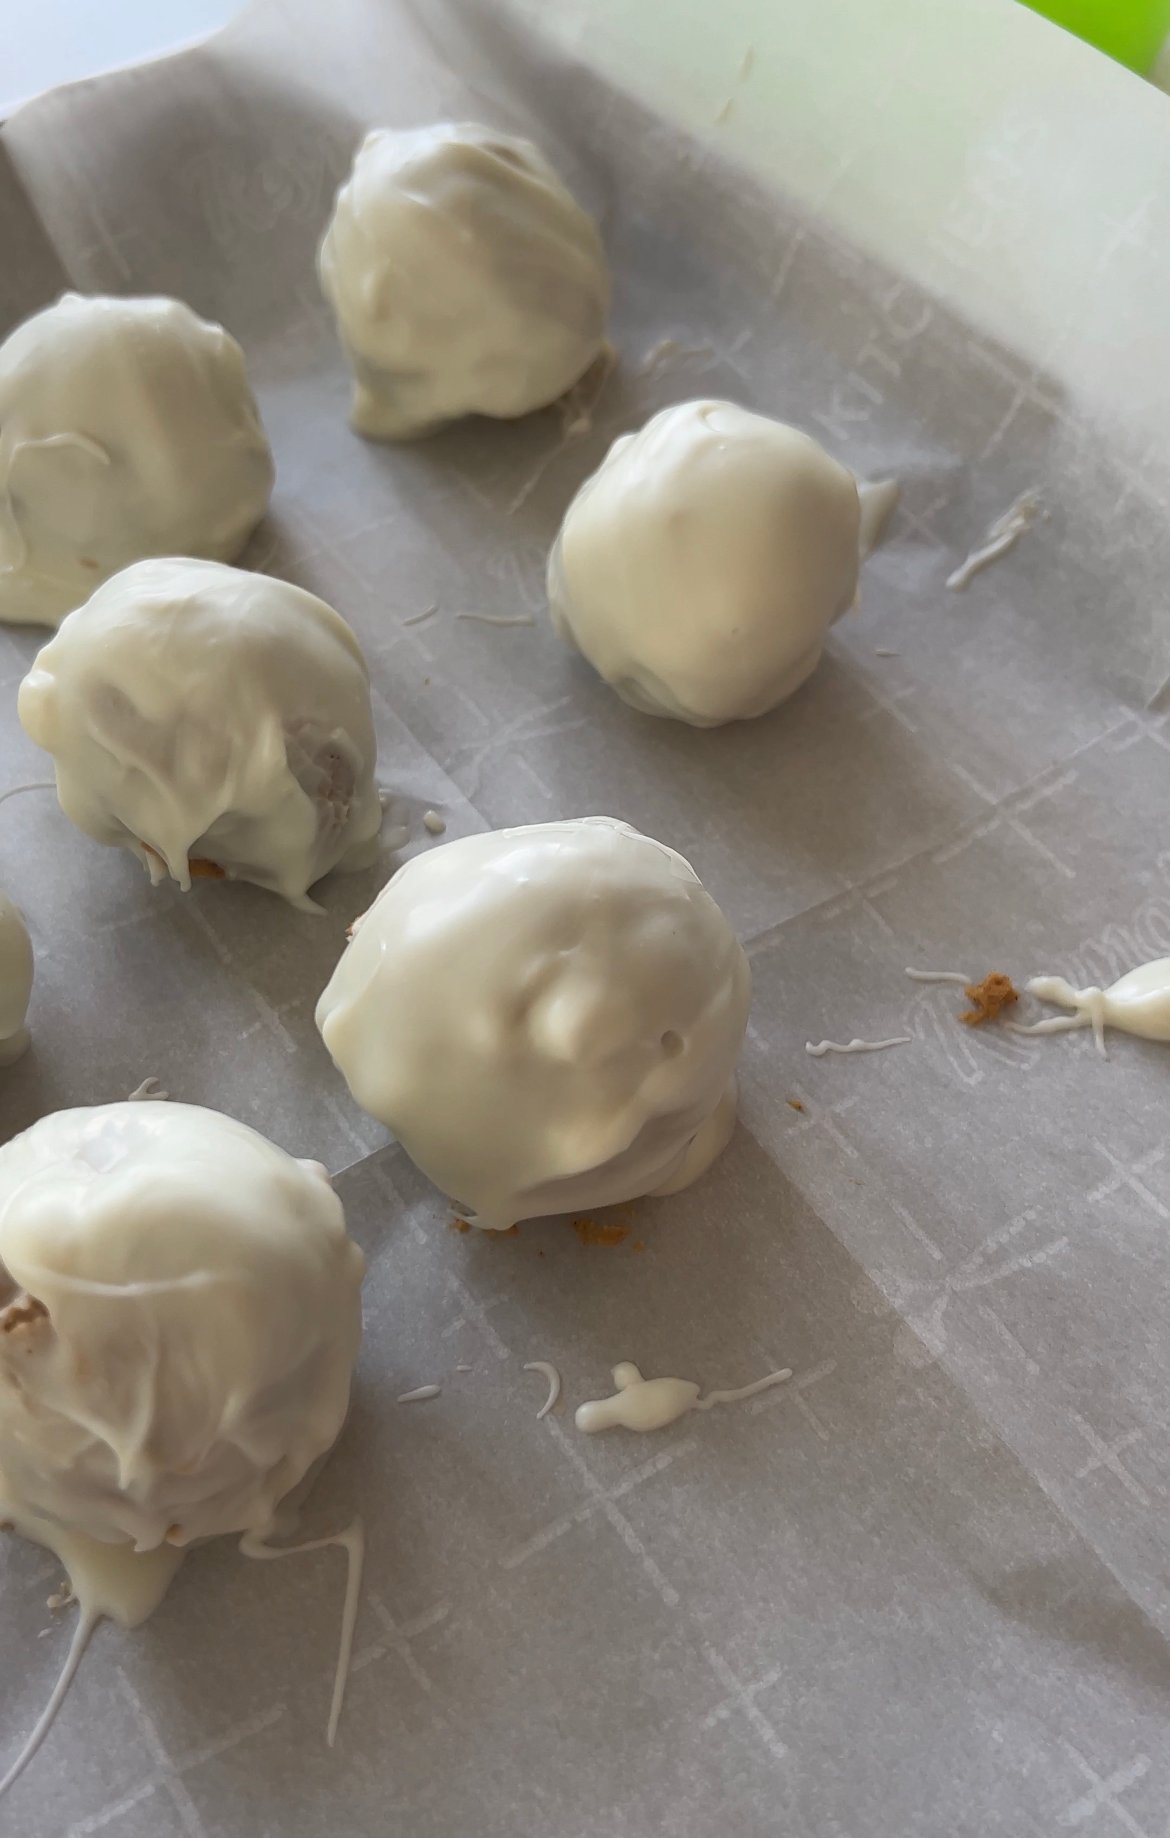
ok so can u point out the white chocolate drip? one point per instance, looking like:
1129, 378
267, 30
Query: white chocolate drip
420, 1395
435, 824
822, 1047
643, 1404
667, 351
353, 1542
939, 976
498, 618
87, 1620
1004, 533
1138, 1003
41, 785
107, 1581
127, 1586
554, 1384
879, 500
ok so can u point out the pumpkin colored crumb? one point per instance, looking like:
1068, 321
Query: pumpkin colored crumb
589, 1231
989, 998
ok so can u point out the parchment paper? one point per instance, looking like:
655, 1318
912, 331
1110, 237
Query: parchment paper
924, 1588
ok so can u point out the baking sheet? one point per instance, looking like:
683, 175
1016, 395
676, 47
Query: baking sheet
922, 1589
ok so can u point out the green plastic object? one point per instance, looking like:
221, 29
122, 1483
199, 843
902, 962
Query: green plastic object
1132, 31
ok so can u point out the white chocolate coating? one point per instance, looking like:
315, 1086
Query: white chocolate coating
701, 566
200, 714
203, 1318
548, 1018
127, 429
16, 981
464, 277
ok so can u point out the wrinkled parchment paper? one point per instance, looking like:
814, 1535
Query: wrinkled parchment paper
923, 1589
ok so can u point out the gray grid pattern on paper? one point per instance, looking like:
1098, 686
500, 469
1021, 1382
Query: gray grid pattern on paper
922, 1588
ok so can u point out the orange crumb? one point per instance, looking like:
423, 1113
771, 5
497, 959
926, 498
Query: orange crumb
22, 1314
794, 1103
459, 1225
638, 1245
990, 997
590, 1232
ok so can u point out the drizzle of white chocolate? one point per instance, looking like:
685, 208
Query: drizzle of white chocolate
651, 1404
1138, 1003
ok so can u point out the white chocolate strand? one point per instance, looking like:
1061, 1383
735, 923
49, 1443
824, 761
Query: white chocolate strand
643, 1404
553, 1377
822, 1047
1004, 533
353, 1542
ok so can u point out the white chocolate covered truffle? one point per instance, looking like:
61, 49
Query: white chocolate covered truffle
127, 429
701, 566
16, 980
465, 278
179, 1320
213, 722
547, 1018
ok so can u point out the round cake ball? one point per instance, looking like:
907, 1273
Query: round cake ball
213, 722
701, 566
127, 429
465, 279
547, 1018
16, 981
179, 1320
